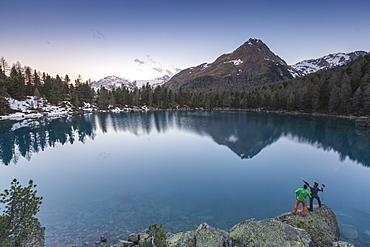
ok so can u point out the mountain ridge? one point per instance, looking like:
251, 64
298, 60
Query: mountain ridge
331, 60
252, 63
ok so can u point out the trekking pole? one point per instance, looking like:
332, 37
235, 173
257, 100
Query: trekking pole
323, 186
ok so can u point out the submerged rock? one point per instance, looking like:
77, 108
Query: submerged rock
366, 234
349, 231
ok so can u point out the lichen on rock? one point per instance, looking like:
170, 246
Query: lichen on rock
206, 235
183, 239
269, 232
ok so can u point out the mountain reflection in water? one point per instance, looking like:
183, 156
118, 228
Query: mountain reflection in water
245, 133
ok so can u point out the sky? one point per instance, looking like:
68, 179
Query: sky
140, 39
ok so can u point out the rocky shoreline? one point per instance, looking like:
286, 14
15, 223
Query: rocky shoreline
318, 228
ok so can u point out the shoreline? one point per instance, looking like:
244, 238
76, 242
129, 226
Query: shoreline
26, 110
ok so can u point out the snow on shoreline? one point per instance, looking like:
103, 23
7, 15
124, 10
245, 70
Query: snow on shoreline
33, 107
34, 112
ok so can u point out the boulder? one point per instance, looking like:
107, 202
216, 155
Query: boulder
269, 232
206, 235
137, 236
183, 239
123, 243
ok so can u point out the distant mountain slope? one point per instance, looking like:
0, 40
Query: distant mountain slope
111, 82
337, 59
253, 63
147, 67
155, 82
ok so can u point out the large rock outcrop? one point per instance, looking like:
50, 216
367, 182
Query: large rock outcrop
317, 228
321, 224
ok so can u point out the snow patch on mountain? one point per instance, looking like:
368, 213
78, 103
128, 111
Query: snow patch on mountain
205, 65
235, 62
313, 65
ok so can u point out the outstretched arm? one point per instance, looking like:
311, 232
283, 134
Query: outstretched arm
306, 182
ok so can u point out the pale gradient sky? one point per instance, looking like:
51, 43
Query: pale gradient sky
98, 38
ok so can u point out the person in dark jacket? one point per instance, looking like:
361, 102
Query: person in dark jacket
314, 193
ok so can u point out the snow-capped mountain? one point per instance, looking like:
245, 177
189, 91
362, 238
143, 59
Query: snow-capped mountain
111, 82
146, 66
313, 65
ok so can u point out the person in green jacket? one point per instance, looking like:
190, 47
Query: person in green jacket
302, 194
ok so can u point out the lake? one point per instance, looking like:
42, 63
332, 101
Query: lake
115, 173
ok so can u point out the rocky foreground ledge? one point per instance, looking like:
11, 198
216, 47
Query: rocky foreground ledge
318, 228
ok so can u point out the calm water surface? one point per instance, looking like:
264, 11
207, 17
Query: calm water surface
113, 174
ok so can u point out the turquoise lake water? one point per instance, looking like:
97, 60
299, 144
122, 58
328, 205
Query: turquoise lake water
113, 174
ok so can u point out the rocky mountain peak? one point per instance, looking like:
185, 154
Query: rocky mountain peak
250, 64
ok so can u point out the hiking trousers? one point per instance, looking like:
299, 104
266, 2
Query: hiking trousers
311, 201
297, 202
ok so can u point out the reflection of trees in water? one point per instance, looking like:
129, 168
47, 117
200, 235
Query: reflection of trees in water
27, 140
246, 134
335, 134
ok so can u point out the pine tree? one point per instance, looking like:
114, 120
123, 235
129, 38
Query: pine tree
28, 80
15, 84
18, 220
4, 66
